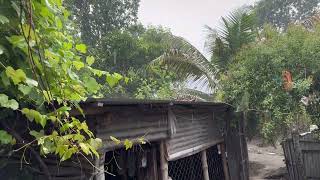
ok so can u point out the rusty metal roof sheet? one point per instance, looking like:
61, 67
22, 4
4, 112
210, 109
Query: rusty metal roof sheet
106, 102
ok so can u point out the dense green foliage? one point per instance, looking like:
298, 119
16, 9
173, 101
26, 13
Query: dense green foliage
281, 13
96, 18
129, 52
121, 45
257, 76
121, 50
40, 68
45, 72
247, 70
46, 68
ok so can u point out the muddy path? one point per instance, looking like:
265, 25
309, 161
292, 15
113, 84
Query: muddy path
266, 162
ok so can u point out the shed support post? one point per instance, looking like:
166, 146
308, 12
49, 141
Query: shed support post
163, 162
224, 161
299, 156
236, 146
204, 165
99, 170
154, 164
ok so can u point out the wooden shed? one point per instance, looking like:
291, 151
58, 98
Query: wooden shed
185, 140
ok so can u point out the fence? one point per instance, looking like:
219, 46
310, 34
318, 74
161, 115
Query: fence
236, 146
191, 167
302, 156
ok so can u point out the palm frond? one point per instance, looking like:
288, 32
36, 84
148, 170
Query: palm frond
193, 95
312, 22
188, 63
237, 29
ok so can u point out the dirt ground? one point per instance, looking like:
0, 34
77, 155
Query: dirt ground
266, 162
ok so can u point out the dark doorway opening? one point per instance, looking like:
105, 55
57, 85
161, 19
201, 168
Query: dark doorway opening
138, 163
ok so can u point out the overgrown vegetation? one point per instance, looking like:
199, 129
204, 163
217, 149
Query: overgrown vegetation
54, 54
45, 72
258, 74
271, 71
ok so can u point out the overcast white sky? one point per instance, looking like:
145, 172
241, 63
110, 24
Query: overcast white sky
187, 18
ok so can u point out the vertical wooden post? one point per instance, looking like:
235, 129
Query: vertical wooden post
163, 162
236, 146
99, 170
224, 161
243, 146
204, 165
298, 154
154, 163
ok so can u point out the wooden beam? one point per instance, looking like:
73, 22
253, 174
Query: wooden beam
99, 170
191, 151
298, 156
204, 165
154, 163
224, 161
163, 161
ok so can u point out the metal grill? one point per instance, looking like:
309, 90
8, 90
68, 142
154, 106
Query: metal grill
188, 168
215, 165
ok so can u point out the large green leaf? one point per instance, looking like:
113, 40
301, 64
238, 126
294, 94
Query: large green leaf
35, 115
31, 82
81, 48
68, 153
3, 19
90, 60
19, 41
92, 85
24, 89
85, 148
37, 134
6, 138
67, 46
5, 102
113, 79
78, 65
16, 76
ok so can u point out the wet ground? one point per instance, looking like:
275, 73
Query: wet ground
266, 162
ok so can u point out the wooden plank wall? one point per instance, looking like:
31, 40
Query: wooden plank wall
302, 156
196, 130
131, 123
236, 146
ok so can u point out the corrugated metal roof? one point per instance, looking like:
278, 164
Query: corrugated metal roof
106, 101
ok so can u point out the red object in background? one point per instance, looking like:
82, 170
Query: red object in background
287, 80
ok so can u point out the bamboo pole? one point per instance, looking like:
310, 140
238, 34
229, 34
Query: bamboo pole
204, 165
163, 161
224, 161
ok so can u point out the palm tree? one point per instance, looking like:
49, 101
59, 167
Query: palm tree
237, 30
189, 64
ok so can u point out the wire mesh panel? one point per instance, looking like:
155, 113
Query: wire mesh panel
215, 165
188, 168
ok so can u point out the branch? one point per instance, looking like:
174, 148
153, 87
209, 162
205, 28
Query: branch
43, 166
